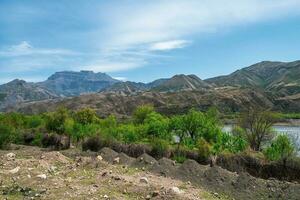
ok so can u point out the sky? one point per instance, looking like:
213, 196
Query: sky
144, 40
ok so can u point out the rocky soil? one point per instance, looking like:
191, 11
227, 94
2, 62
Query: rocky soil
34, 173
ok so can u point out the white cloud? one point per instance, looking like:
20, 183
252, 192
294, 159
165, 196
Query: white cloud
168, 45
26, 49
128, 34
161, 25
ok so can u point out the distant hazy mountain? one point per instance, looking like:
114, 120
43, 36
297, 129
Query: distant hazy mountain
282, 78
181, 82
20, 91
68, 83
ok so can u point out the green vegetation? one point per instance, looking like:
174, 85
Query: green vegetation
196, 134
280, 149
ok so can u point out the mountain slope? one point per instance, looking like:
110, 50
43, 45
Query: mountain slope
18, 91
69, 83
282, 78
127, 87
181, 82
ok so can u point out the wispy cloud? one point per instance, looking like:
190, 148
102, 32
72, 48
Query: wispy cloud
168, 45
124, 35
25, 49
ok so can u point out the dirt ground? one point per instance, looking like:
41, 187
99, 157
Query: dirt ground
34, 173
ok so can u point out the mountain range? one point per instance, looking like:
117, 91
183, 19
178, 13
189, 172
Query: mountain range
274, 85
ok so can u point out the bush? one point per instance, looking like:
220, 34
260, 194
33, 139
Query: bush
230, 143
160, 148
85, 116
204, 150
280, 149
141, 113
55, 141
128, 133
28, 138
33, 121
157, 126
56, 121
257, 127
93, 144
6, 135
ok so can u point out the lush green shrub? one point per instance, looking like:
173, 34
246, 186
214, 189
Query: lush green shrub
85, 116
7, 135
280, 149
141, 113
230, 143
160, 148
109, 122
176, 126
56, 121
204, 149
33, 121
129, 133
157, 126
37, 141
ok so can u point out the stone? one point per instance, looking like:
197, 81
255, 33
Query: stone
15, 170
42, 176
116, 160
175, 190
10, 156
144, 180
99, 158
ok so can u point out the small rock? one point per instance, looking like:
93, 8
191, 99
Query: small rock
144, 180
175, 190
99, 158
155, 193
43, 156
42, 176
104, 174
116, 178
10, 156
116, 160
148, 197
15, 170
105, 196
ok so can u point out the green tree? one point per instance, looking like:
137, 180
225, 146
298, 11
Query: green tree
257, 127
176, 125
56, 121
280, 149
198, 124
85, 116
141, 113
157, 126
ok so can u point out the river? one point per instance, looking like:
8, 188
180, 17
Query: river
293, 131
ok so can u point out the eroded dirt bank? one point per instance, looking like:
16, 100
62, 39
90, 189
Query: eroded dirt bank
34, 173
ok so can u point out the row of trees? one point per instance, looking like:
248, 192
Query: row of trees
195, 130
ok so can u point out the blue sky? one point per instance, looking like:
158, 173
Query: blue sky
144, 40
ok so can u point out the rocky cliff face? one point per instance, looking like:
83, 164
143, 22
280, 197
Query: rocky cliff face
76, 83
